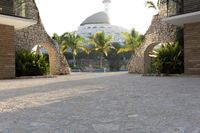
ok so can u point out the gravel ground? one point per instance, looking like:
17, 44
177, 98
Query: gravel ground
100, 103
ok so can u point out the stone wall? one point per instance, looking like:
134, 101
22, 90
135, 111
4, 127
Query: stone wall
158, 32
27, 38
192, 48
7, 52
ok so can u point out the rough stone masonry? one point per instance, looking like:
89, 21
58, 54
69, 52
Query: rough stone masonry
158, 32
34, 35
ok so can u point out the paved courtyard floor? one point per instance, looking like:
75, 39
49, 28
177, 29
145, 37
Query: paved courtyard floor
100, 103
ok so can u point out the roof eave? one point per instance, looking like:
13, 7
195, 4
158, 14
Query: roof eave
17, 22
180, 20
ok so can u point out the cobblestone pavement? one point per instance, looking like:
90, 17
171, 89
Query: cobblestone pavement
100, 103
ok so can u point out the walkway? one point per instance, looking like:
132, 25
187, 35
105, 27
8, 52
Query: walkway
100, 103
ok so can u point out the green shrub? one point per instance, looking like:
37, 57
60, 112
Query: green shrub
31, 64
168, 59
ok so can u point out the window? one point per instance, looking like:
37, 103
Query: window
6, 7
174, 7
20, 8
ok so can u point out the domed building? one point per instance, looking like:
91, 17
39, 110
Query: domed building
100, 21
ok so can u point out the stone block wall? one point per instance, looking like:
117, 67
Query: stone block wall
192, 48
7, 52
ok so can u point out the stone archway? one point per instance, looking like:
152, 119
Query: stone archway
158, 32
27, 38
147, 58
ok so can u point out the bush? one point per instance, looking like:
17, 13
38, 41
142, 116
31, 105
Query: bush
168, 59
31, 64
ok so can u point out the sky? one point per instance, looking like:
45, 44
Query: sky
59, 16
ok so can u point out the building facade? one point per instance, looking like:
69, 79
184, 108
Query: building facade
186, 14
9, 22
21, 28
99, 22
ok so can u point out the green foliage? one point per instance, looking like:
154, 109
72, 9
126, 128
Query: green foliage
61, 43
132, 41
168, 59
31, 64
115, 60
102, 43
151, 4
71, 42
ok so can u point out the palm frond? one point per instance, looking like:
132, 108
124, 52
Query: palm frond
132, 41
150, 4
101, 41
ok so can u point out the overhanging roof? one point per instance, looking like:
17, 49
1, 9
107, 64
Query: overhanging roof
180, 20
17, 22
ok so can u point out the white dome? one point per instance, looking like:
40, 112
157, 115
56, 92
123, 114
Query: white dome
97, 18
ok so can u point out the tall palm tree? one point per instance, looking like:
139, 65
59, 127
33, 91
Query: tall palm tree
151, 4
74, 43
61, 43
102, 43
131, 41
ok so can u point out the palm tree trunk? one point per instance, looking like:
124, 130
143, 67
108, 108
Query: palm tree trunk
101, 60
74, 60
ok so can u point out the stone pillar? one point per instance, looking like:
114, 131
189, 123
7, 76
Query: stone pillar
192, 48
7, 52
158, 32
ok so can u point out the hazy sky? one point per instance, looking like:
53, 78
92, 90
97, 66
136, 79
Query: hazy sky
60, 16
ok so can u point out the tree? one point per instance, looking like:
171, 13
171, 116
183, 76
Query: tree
115, 60
132, 41
151, 4
102, 43
73, 43
61, 43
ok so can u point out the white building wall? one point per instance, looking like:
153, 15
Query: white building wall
90, 29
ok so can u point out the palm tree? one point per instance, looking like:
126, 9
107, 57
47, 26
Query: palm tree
73, 43
102, 43
151, 4
132, 41
61, 43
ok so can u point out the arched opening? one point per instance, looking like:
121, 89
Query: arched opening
54, 60
147, 58
43, 58
33, 62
